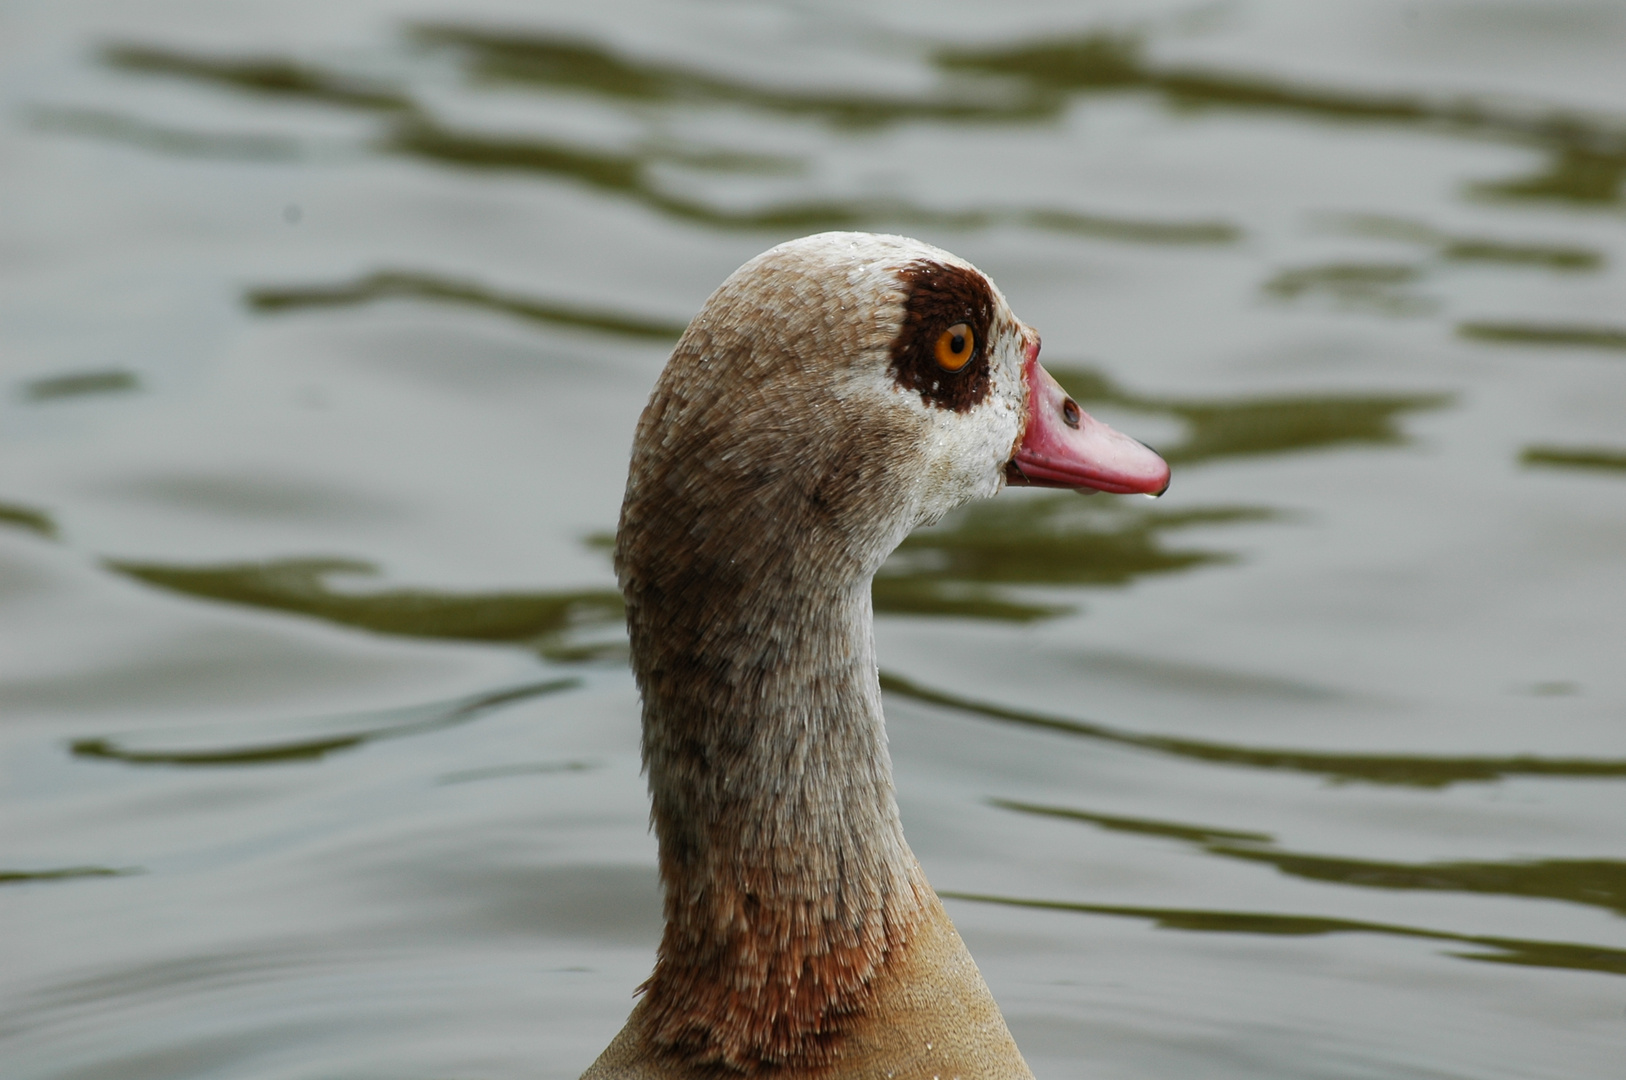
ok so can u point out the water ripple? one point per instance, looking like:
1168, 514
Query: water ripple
356, 731
1562, 955
1592, 882
415, 285
1403, 770
301, 586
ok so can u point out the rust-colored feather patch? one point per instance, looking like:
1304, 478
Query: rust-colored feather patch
747, 981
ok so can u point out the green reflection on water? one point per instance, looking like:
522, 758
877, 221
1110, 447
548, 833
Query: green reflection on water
1107, 61
536, 768
607, 170
567, 63
301, 586
413, 133
1553, 257
24, 517
1519, 333
1273, 425
80, 384
363, 729
1398, 769
1454, 248
161, 139
1128, 229
952, 569
308, 750
270, 75
626, 174
1498, 950
67, 873
1572, 174
904, 593
1593, 882
1576, 457
390, 284
1033, 82
1194, 833
1022, 83
1375, 286
1587, 156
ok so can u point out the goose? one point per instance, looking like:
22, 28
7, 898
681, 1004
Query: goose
834, 393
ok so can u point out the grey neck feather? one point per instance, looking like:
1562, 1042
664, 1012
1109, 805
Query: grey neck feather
765, 744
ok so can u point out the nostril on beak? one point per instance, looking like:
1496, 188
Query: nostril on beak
1070, 413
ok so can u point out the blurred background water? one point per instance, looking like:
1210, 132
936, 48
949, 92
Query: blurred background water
323, 331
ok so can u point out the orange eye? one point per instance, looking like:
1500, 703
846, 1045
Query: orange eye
955, 346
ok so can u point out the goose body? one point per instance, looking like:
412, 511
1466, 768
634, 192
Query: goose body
834, 393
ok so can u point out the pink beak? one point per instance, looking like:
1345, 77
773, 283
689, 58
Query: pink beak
1064, 446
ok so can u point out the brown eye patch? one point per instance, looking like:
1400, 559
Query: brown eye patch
941, 298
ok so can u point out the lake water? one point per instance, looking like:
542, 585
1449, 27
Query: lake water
323, 331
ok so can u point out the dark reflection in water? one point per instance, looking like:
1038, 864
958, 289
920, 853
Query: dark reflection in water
67, 873
301, 586
1574, 174
1245, 426
395, 284
26, 517
163, 139
1127, 229
80, 384
1060, 540
1594, 882
1398, 769
627, 174
563, 63
1033, 81
1454, 248
1374, 286
1196, 834
1547, 954
414, 133
1576, 457
357, 731
621, 172
1385, 287
1522, 333
270, 75
603, 169
536, 768
1587, 156
1019, 83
